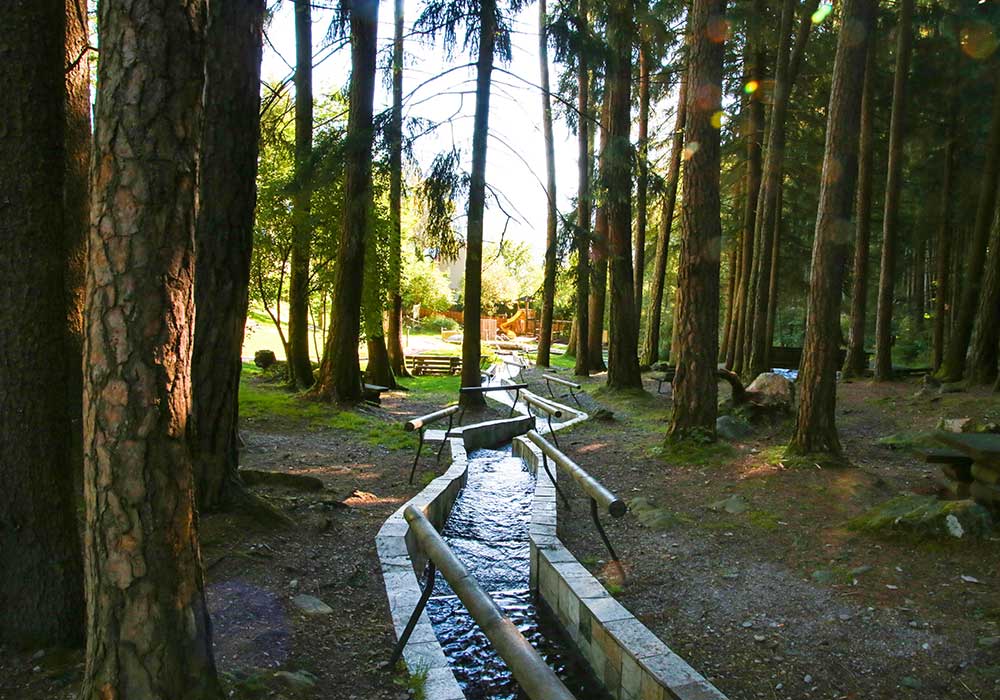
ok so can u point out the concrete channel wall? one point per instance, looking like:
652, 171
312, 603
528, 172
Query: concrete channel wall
625, 656
402, 562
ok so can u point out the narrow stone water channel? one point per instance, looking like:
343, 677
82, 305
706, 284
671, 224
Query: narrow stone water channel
488, 531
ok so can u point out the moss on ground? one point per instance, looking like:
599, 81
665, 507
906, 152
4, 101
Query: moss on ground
925, 516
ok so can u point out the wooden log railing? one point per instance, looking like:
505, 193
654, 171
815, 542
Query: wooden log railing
420, 425
551, 379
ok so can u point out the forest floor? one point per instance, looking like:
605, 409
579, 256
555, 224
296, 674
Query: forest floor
781, 600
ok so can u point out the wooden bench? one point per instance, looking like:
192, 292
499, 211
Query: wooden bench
373, 392
739, 391
440, 365
573, 386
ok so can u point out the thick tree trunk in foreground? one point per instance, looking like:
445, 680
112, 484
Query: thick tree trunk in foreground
580, 342
549, 283
856, 362
642, 181
148, 631
340, 373
394, 327
477, 203
41, 597
77, 143
696, 386
983, 356
651, 347
599, 255
224, 241
815, 426
953, 366
299, 364
893, 190
623, 346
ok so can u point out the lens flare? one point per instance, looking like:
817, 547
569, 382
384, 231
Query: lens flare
751, 87
718, 119
822, 12
978, 40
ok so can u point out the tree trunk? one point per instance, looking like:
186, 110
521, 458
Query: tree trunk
697, 314
551, 235
642, 181
148, 630
919, 271
224, 241
943, 256
758, 346
893, 190
477, 203
953, 366
772, 286
623, 345
856, 362
753, 61
340, 373
983, 357
40, 569
77, 144
394, 333
571, 341
583, 206
815, 426
651, 349
299, 364
599, 256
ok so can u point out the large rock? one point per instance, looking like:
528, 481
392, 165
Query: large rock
311, 605
772, 390
731, 428
926, 515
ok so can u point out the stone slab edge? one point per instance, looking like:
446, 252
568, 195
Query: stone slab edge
625, 656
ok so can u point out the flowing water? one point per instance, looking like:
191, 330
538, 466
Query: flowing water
488, 531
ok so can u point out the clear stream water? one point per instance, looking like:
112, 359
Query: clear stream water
488, 531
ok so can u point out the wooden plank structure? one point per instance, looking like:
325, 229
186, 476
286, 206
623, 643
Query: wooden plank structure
973, 462
440, 365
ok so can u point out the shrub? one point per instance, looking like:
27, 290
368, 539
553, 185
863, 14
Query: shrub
437, 323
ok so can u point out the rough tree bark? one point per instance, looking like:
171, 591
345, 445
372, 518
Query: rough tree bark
953, 366
945, 233
623, 332
551, 240
651, 347
40, 569
148, 630
224, 242
893, 191
815, 426
340, 373
696, 386
394, 327
772, 294
477, 203
983, 355
599, 254
856, 362
642, 181
583, 206
299, 364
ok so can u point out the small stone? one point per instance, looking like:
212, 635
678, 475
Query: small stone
863, 569
910, 682
311, 605
807, 679
759, 638
823, 576
748, 624
843, 617
294, 583
989, 642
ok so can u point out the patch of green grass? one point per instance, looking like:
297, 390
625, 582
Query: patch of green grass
907, 440
772, 454
763, 519
443, 390
694, 453
562, 361
414, 680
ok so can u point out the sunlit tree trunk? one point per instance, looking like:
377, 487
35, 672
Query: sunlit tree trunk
697, 314
893, 191
599, 254
394, 327
856, 362
551, 241
651, 347
299, 364
815, 426
953, 366
224, 241
340, 373
148, 630
642, 181
41, 597
583, 207
477, 204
